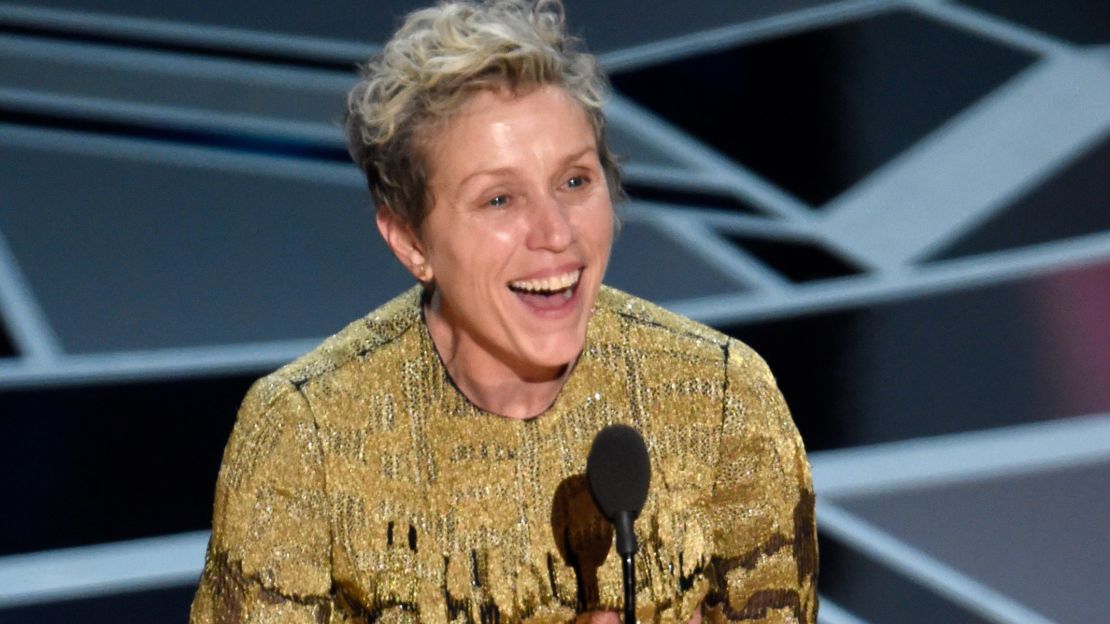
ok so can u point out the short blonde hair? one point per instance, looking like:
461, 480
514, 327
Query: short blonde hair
438, 58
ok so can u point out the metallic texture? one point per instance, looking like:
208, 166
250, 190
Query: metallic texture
360, 485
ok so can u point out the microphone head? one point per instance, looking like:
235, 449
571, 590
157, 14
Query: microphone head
618, 471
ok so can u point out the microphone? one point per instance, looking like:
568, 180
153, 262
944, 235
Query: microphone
618, 472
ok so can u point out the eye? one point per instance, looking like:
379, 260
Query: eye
577, 181
498, 201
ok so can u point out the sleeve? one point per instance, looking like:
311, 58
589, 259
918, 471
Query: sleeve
761, 510
268, 559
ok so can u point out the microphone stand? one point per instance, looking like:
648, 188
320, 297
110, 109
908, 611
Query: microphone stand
627, 547
629, 570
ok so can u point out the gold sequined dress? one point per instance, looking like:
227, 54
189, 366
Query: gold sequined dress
360, 485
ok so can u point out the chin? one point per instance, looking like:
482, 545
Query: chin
558, 355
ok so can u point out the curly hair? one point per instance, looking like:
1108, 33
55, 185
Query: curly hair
435, 61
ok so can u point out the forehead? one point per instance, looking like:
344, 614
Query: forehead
502, 125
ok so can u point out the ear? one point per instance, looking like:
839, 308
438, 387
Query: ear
402, 240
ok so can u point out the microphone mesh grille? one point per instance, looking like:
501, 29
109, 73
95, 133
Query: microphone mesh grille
618, 471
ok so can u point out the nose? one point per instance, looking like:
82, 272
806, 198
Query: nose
549, 227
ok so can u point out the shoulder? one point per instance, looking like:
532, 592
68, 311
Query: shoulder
358, 341
653, 327
278, 418
671, 344
617, 308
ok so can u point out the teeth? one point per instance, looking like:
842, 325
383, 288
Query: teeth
549, 284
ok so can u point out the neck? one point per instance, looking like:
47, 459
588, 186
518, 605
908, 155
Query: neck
491, 383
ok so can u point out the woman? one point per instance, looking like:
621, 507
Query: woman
425, 464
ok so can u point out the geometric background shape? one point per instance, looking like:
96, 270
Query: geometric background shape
1079, 21
105, 463
1016, 351
197, 255
1073, 202
797, 260
7, 349
1050, 554
817, 111
875, 593
649, 264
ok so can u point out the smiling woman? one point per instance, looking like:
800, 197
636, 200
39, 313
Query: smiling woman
425, 463
514, 246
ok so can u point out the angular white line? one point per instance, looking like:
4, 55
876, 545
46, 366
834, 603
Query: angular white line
123, 60
23, 317
676, 178
101, 569
131, 366
702, 242
723, 220
945, 580
203, 158
913, 282
178, 118
147, 564
977, 164
832, 613
650, 128
744, 188
993, 27
732, 35
197, 34
962, 457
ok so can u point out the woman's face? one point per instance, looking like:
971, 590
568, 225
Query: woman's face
519, 230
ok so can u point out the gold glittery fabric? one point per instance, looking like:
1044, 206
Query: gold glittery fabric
360, 485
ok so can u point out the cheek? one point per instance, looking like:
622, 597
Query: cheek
505, 237
598, 228
464, 243
484, 254
495, 241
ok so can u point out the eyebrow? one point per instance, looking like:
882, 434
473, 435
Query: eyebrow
579, 154
506, 170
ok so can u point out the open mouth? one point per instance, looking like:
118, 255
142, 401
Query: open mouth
547, 292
